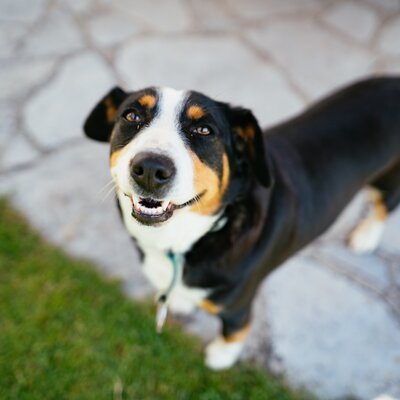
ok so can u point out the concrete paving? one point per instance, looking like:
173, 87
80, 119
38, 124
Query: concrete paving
328, 320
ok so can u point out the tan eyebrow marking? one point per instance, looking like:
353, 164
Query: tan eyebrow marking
147, 100
195, 112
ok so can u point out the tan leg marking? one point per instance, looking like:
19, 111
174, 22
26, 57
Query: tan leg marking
367, 234
379, 208
206, 180
210, 307
238, 336
223, 352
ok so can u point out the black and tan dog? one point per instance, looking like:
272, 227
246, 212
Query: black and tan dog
198, 178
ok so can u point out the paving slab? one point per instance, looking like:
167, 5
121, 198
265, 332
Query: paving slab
10, 34
326, 330
22, 10
387, 5
66, 99
391, 235
189, 61
79, 6
341, 15
260, 9
19, 151
368, 267
56, 35
313, 68
158, 15
389, 38
212, 16
396, 275
390, 65
15, 82
112, 28
8, 121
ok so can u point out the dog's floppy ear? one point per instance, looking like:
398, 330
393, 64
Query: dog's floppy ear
100, 122
248, 142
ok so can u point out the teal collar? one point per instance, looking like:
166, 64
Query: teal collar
162, 298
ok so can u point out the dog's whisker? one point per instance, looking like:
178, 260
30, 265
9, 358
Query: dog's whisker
196, 201
111, 190
105, 187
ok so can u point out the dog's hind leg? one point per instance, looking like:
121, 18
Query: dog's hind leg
384, 196
367, 234
388, 184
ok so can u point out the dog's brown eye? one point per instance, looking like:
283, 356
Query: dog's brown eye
131, 116
202, 130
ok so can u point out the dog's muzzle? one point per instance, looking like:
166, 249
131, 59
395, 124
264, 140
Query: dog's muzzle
152, 173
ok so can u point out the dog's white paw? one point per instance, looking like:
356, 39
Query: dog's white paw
366, 236
221, 354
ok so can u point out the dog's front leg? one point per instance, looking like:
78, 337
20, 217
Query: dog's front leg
225, 350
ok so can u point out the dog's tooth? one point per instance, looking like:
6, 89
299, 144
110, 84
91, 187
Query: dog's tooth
135, 200
150, 211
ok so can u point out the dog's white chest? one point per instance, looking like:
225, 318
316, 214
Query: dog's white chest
155, 242
159, 269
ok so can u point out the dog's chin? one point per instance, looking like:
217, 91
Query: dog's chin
153, 212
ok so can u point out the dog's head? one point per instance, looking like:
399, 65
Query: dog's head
174, 150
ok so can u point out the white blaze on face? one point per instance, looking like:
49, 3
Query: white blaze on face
163, 136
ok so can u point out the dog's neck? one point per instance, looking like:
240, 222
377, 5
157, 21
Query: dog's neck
243, 222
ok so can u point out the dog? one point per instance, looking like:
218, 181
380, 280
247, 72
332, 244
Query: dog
215, 204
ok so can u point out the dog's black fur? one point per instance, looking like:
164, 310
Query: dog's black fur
301, 175
319, 161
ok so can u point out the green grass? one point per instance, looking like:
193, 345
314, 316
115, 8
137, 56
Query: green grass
66, 333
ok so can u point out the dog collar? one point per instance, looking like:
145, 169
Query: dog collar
163, 297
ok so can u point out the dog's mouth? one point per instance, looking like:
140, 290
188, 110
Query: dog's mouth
149, 211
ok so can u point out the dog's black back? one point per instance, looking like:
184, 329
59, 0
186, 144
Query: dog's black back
334, 149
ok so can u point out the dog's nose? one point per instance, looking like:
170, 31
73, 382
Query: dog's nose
151, 171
